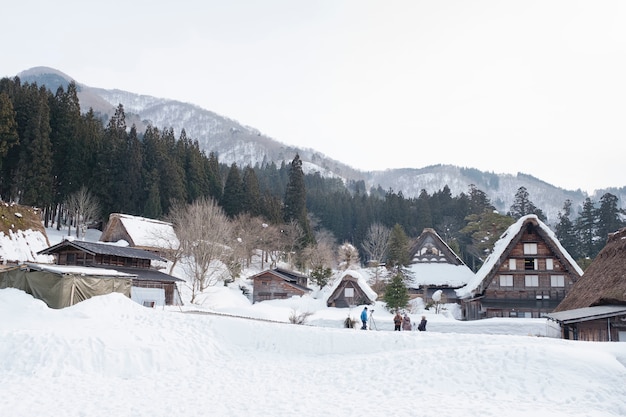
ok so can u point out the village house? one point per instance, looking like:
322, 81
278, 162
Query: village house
278, 283
350, 290
150, 287
141, 233
595, 308
527, 274
435, 266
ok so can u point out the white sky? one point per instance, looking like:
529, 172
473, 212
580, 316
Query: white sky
533, 86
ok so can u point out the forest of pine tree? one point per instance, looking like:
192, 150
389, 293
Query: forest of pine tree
49, 151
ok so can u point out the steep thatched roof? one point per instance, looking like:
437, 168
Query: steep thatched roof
604, 281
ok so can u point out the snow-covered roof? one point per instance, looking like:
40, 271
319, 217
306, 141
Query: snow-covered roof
502, 244
360, 280
148, 232
439, 274
78, 270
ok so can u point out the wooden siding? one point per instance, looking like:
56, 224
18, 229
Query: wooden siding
270, 287
596, 330
81, 258
522, 298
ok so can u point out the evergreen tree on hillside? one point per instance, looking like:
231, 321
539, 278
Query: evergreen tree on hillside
8, 126
233, 199
522, 206
609, 218
214, 177
587, 229
398, 249
565, 231
295, 202
251, 192
37, 163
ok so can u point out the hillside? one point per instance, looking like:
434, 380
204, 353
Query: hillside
244, 145
22, 234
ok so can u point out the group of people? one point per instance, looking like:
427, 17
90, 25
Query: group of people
404, 323
399, 322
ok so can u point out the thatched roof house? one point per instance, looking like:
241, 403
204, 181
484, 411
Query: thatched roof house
350, 289
436, 267
527, 274
595, 307
140, 232
604, 281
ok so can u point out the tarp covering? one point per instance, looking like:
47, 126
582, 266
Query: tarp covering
62, 290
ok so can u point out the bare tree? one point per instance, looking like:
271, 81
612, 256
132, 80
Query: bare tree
205, 236
82, 208
376, 242
348, 256
319, 258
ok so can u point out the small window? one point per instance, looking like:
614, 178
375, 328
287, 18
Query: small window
348, 292
506, 280
150, 304
557, 281
530, 264
512, 265
549, 264
532, 280
530, 248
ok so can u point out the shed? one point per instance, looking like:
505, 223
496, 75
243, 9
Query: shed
278, 283
63, 286
349, 290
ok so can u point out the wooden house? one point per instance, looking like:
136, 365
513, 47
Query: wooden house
595, 308
278, 283
349, 290
435, 266
150, 287
527, 274
140, 232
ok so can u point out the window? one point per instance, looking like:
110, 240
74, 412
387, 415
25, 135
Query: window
150, 304
549, 264
348, 292
506, 280
530, 248
557, 281
532, 280
530, 264
512, 265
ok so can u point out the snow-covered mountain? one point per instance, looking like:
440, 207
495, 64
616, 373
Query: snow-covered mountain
235, 142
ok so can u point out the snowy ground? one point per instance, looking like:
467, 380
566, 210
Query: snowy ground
109, 356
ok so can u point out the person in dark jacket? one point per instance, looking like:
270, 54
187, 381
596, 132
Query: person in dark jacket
397, 321
422, 326
364, 318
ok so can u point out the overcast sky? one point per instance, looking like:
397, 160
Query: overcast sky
537, 87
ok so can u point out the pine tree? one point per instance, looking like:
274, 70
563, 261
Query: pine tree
609, 220
232, 199
565, 231
586, 229
251, 192
398, 249
295, 202
522, 206
396, 293
8, 126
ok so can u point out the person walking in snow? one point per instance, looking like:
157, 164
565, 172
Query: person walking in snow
406, 323
397, 321
364, 318
422, 326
